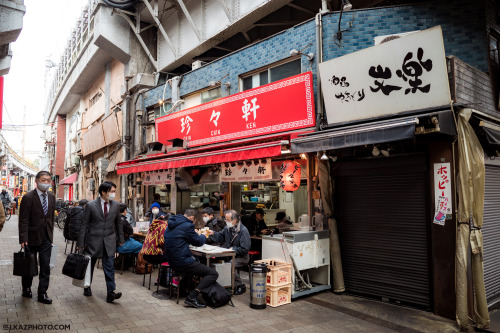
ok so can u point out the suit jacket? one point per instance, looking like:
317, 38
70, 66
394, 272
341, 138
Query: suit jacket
98, 233
33, 225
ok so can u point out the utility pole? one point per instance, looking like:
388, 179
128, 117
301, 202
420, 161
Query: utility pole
24, 133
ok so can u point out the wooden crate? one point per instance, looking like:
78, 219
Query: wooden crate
279, 273
276, 296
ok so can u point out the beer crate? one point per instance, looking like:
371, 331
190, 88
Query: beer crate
279, 273
276, 296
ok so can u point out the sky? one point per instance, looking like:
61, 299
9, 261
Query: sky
47, 26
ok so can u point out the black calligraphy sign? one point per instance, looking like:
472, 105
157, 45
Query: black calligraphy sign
346, 96
412, 70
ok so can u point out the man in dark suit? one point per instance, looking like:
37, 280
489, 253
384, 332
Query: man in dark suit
101, 222
36, 229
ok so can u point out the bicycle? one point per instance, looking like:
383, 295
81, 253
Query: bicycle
61, 217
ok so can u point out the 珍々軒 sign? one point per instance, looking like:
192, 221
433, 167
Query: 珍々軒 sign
277, 107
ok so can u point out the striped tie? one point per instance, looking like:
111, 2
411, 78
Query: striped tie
44, 204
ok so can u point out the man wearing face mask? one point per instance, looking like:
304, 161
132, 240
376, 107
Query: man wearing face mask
213, 223
36, 231
235, 236
179, 235
156, 213
100, 222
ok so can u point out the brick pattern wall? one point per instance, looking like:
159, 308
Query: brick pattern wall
60, 152
463, 23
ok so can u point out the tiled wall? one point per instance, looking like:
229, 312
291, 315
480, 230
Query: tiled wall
463, 23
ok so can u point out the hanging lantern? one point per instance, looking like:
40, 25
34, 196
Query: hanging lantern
290, 176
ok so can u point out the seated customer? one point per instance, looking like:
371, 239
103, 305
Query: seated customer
154, 244
257, 223
235, 236
156, 213
284, 224
130, 245
213, 223
179, 235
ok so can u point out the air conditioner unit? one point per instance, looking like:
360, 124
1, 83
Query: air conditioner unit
150, 134
102, 165
197, 64
91, 184
76, 160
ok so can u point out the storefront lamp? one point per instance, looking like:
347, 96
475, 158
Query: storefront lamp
290, 176
324, 157
303, 156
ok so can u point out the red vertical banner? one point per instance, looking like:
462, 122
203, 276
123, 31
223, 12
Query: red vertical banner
1, 100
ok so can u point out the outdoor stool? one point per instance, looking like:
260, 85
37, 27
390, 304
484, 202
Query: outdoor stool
124, 256
146, 272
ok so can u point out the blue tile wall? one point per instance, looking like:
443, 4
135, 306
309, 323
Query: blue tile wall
463, 24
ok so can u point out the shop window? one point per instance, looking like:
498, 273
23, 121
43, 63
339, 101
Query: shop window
210, 95
161, 110
271, 74
94, 99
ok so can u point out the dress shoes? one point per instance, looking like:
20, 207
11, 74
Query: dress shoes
27, 292
240, 290
43, 298
112, 296
87, 291
194, 303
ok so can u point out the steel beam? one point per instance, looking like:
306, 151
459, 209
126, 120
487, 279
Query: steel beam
160, 27
137, 32
226, 10
190, 19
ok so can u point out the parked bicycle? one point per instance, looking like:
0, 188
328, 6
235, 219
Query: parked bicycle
61, 213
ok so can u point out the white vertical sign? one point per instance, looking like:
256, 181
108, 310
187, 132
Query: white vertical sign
263, 170
442, 192
148, 178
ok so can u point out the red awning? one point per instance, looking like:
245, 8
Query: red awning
69, 180
252, 152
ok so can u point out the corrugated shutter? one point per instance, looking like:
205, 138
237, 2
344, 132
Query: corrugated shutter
491, 234
383, 229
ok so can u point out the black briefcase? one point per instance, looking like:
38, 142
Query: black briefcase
25, 263
75, 266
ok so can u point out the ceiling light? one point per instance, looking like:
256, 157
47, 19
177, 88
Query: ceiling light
375, 151
346, 5
324, 157
160, 102
303, 156
385, 152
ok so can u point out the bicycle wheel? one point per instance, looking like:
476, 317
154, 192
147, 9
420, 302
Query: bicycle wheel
61, 219
7, 213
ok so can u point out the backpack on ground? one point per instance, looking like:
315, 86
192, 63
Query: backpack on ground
216, 296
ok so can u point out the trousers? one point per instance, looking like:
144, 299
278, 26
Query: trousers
108, 266
44, 250
207, 274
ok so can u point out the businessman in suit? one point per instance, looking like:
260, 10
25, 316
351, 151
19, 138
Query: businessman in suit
101, 225
36, 228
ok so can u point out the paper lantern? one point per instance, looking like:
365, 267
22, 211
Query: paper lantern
290, 176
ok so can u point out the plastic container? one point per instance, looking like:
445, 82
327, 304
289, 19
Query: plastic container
277, 296
279, 273
304, 222
254, 199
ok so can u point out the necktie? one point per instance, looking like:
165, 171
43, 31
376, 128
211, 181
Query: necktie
105, 209
44, 204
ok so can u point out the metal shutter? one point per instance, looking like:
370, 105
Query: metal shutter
491, 234
383, 229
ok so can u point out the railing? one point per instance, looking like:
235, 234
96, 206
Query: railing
77, 43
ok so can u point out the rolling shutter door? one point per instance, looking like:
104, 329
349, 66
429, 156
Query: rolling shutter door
383, 230
491, 234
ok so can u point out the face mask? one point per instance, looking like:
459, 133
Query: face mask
155, 211
111, 196
42, 186
229, 224
206, 219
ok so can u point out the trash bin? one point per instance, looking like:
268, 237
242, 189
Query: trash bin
258, 278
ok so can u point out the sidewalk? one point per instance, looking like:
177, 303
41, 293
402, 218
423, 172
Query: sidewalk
139, 311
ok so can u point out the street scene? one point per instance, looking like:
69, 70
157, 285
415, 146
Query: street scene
257, 165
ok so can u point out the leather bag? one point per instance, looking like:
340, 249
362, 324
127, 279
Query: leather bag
25, 263
75, 266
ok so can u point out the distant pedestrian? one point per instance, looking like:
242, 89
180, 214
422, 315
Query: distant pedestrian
74, 220
36, 230
101, 223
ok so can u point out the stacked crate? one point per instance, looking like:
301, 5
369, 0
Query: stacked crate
279, 282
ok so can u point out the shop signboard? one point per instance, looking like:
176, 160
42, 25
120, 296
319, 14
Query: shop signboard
442, 193
402, 75
277, 107
263, 171
162, 177
148, 178
247, 171
229, 172
157, 177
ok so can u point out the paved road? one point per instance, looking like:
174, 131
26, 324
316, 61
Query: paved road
139, 311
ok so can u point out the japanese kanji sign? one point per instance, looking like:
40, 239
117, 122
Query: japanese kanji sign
229, 172
263, 170
273, 108
404, 74
252, 171
148, 178
442, 192
162, 177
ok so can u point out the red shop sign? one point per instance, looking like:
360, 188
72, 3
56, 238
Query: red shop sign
273, 108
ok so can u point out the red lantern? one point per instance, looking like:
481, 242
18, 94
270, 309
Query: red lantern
290, 176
